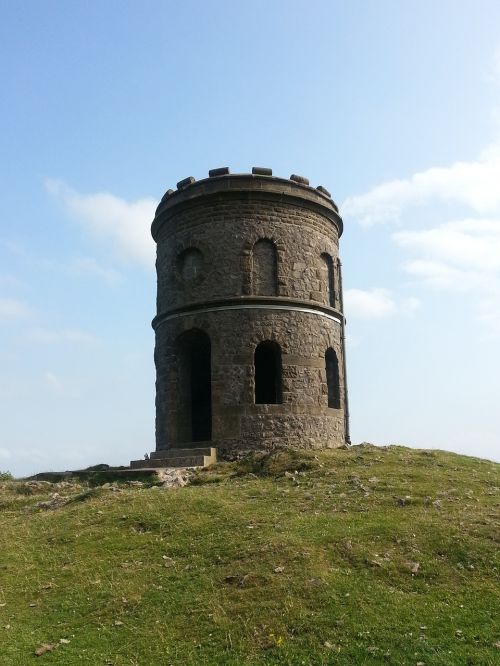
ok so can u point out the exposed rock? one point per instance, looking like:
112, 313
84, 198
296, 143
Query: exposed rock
43, 648
54, 502
173, 477
413, 567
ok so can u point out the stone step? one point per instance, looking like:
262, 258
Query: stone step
178, 458
180, 453
158, 463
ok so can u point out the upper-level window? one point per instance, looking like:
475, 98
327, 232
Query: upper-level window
267, 364
330, 278
265, 268
190, 264
339, 278
332, 378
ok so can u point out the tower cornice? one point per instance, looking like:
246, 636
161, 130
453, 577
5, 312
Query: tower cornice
295, 191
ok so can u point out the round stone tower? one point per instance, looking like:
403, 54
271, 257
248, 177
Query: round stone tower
249, 328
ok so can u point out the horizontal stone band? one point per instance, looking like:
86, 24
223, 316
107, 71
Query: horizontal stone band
160, 319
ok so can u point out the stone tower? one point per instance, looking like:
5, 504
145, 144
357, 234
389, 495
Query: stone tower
249, 328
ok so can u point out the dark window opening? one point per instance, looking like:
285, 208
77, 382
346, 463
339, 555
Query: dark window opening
194, 396
267, 363
332, 378
190, 264
339, 276
328, 261
265, 268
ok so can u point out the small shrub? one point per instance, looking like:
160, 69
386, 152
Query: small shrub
6, 476
24, 489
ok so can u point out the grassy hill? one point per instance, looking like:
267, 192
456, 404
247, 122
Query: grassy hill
360, 556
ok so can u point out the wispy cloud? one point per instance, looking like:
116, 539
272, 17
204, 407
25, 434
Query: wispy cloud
473, 185
48, 336
11, 282
123, 225
440, 275
452, 255
12, 309
461, 256
4, 453
14, 248
495, 72
88, 267
377, 304
53, 382
469, 243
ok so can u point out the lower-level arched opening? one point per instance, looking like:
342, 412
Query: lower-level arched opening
332, 378
267, 363
194, 387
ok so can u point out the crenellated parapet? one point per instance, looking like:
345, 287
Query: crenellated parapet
259, 182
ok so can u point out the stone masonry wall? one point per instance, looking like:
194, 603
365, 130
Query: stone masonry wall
303, 420
225, 233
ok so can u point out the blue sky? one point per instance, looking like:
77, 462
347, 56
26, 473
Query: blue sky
393, 106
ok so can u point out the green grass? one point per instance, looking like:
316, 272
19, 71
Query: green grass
364, 556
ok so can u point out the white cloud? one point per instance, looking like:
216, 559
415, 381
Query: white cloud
14, 248
12, 309
469, 243
460, 255
10, 281
87, 266
495, 74
473, 184
408, 306
482, 285
372, 304
377, 304
440, 275
489, 310
53, 382
124, 225
46, 335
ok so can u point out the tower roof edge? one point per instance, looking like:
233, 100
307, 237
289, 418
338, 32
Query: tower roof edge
256, 184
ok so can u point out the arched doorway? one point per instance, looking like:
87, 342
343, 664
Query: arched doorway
194, 388
267, 364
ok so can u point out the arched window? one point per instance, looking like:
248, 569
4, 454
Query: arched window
339, 275
190, 264
332, 378
264, 268
267, 364
330, 278
194, 388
